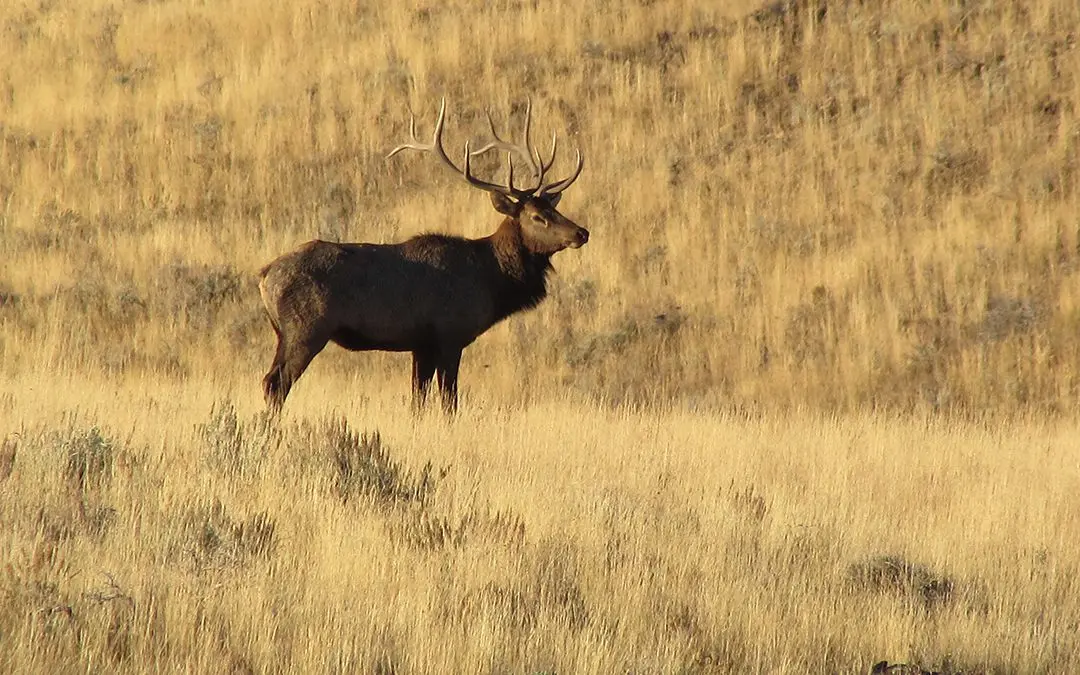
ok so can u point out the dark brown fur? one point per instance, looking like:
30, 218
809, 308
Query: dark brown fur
431, 295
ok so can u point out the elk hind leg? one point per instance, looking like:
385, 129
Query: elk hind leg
272, 382
290, 363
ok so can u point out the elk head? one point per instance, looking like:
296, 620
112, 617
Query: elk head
544, 230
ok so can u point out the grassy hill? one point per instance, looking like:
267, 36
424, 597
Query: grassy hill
842, 205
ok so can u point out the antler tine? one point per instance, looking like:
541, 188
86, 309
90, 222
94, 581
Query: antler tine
554, 147
412, 138
435, 146
524, 149
546, 166
559, 186
497, 143
528, 127
507, 189
414, 142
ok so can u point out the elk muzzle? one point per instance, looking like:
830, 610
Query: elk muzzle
581, 237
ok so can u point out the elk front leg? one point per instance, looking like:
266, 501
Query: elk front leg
423, 369
447, 371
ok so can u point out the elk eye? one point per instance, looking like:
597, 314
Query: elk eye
538, 220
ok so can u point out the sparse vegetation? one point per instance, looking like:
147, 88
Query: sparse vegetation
805, 403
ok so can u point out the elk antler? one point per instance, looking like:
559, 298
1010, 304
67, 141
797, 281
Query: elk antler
524, 149
556, 187
436, 147
532, 156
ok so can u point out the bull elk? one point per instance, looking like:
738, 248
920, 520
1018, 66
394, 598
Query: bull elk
431, 295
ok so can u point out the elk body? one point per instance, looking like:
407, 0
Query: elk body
431, 295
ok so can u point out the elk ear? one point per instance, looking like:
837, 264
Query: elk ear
505, 205
554, 199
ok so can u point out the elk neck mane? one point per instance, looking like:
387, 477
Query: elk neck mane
524, 272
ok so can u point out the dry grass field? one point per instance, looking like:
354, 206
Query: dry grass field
806, 401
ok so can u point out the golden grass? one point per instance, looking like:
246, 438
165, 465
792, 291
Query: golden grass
805, 401
557, 538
